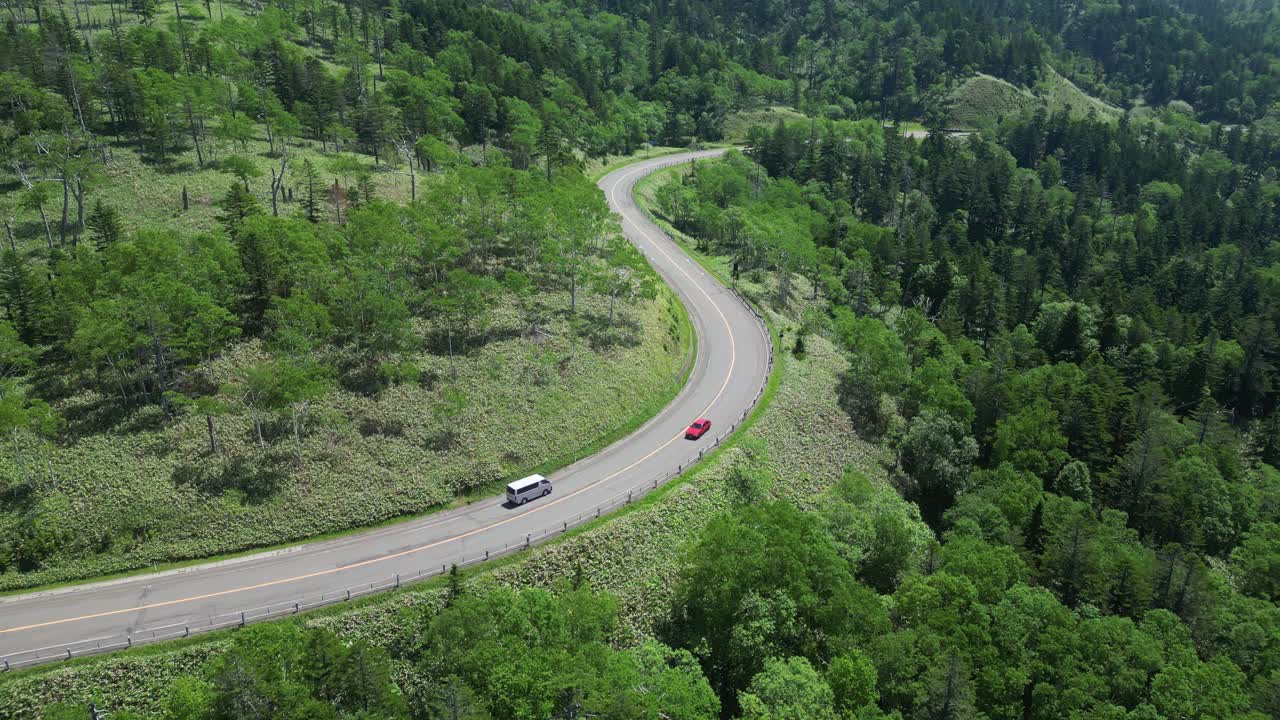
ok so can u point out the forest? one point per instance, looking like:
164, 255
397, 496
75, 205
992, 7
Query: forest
1062, 333
1064, 336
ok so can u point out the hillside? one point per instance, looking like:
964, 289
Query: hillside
126, 490
884, 566
634, 555
982, 100
277, 270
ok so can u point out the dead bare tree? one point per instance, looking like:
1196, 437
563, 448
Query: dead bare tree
406, 150
277, 182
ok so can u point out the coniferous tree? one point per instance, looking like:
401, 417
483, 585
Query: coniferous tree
1033, 534
145, 10
311, 185
237, 205
105, 223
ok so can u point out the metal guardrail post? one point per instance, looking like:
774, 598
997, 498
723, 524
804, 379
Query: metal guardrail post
186, 631
348, 594
68, 653
628, 496
242, 620
526, 539
6, 664
129, 638
397, 581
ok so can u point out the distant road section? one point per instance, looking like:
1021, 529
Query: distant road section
728, 376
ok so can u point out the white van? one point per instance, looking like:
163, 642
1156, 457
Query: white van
522, 491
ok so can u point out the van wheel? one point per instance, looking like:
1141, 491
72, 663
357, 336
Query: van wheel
546, 492
524, 500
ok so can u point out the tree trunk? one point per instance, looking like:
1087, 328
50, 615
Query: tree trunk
66, 201
48, 234
120, 379
79, 196
453, 369
182, 35
195, 135
297, 435
275, 209
213, 437
13, 245
17, 455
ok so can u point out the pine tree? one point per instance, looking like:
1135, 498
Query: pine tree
549, 144
26, 298
1033, 533
144, 9
363, 193
1069, 345
310, 202
237, 205
455, 586
104, 221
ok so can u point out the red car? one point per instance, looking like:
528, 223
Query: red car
697, 429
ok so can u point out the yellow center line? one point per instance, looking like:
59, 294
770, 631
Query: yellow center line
733, 356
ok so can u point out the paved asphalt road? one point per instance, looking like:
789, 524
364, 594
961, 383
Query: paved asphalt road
730, 371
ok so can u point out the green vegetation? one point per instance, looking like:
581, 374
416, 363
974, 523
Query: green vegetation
1079, 389
983, 100
632, 556
1021, 464
738, 124
255, 439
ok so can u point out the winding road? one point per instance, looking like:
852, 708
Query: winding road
728, 376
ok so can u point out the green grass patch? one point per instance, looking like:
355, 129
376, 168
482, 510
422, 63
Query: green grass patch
1059, 92
909, 126
738, 124
982, 100
149, 196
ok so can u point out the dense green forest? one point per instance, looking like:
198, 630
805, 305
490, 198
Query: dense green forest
1063, 333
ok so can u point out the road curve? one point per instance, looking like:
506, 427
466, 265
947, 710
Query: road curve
729, 373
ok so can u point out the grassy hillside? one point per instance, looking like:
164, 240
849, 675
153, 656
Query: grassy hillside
146, 486
737, 124
984, 99
806, 438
